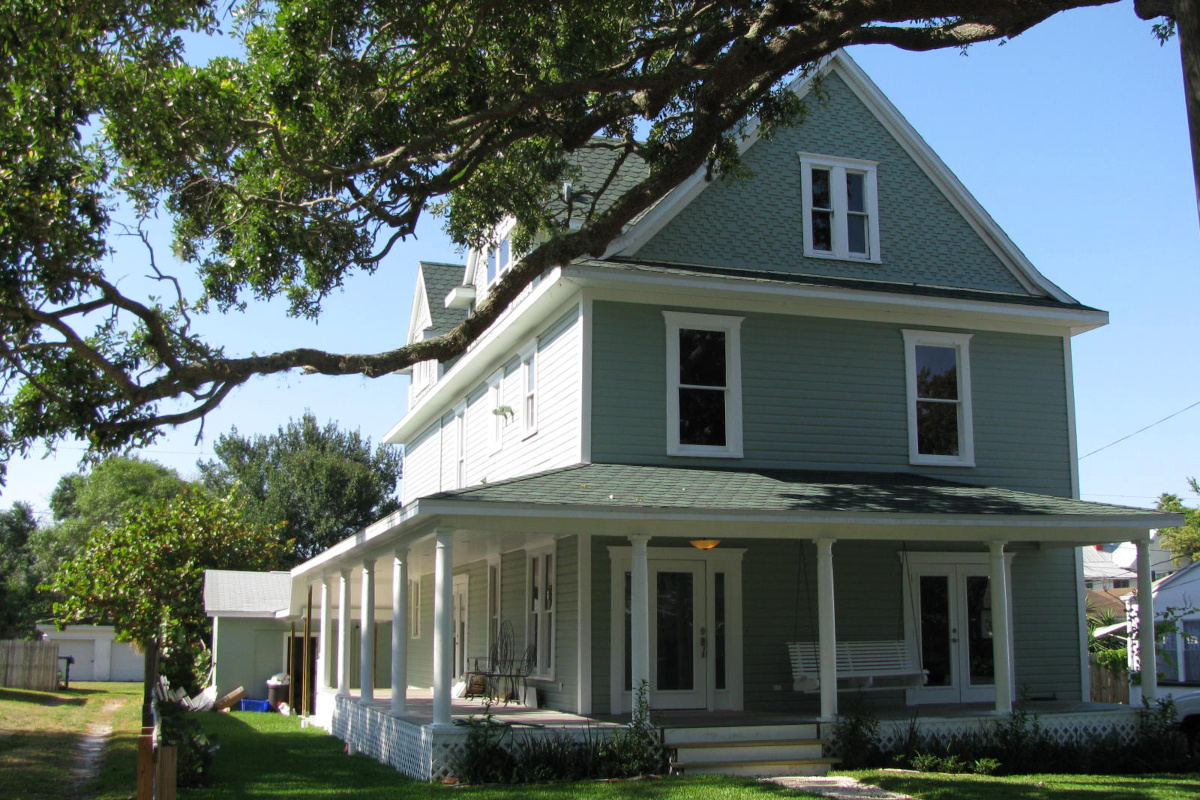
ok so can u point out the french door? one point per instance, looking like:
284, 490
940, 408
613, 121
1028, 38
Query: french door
694, 629
678, 635
951, 605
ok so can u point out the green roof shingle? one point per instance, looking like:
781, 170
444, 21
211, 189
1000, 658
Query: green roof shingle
633, 486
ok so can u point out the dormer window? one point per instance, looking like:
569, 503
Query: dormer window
499, 256
841, 210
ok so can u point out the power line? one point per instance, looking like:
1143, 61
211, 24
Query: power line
1135, 433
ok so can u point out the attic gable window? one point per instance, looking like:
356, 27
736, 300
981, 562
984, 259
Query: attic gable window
940, 429
704, 385
841, 211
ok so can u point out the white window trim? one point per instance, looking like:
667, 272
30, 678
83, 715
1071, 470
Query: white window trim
732, 328
552, 613
414, 608
495, 405
528, 356
838, 167
966, 429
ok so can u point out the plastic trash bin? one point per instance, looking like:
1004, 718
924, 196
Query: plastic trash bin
278, 688
256, 705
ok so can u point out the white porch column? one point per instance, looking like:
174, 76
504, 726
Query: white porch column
1145, 595
400, 631
827, 628
443, 623
324, 634
366, 638
639, 613
343, 654
1001, 630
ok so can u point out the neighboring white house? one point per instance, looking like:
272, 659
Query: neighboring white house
98, 657
1101, 572
1177, 597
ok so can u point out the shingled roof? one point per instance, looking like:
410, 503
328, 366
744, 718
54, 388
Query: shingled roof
235, 593
440, 278
632, 487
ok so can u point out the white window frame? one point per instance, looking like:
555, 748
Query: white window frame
495, 404
960, 342
502, 247
460, 445
732, 328
495, 593
414, 608
838, 167
529, 410
547, 584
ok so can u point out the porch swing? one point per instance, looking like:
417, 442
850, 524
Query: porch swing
881, 664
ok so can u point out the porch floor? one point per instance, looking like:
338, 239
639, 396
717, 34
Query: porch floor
420, 712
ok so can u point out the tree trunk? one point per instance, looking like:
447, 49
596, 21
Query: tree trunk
1187, 22
150, 670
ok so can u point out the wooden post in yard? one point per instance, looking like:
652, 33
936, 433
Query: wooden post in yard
291, 662
145, 764
306, 685
165, 770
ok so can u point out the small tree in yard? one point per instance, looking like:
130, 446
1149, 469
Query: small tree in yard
145, 576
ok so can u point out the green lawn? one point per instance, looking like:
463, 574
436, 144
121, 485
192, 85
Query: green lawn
932, 786
269, 756
40, 733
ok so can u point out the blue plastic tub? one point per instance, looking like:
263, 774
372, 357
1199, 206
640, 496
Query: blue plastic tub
255, 705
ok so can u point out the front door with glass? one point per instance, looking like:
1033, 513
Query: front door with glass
951, 604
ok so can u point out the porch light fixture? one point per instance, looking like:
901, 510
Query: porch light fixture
705, 544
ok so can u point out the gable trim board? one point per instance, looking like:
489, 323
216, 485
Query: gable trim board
840, 63
713, 288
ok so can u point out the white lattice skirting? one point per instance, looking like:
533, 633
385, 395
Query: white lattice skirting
1063, 727
421, 752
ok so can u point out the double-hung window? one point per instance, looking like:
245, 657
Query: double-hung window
841, 207
460, 446
414, 608
938, 369
704, 385
540, 625
498, 411
529, 418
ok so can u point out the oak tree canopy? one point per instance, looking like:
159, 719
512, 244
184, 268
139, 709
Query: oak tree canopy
298, 164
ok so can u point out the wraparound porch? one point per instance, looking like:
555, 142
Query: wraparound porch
416, 747
594, 637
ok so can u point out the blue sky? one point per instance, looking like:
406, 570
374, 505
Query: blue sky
1072, 136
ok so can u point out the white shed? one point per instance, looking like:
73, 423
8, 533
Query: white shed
98, 657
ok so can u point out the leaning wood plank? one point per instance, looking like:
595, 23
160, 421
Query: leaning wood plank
230, 700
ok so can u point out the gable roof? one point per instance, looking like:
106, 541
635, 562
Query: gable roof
658, 217
429, 315
235, 593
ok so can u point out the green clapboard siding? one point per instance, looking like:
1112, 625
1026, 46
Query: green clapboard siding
560, 692
1046, 614
757, 222
780, 605
512, 595
830, 394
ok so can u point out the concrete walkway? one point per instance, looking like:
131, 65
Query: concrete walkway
839, 788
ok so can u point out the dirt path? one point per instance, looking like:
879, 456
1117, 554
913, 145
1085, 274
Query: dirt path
90, 750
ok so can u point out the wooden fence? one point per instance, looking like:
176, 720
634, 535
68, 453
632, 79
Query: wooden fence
1108, 686
29, 665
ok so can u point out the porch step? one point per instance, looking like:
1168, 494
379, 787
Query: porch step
766, 750
674, 736
807, 767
